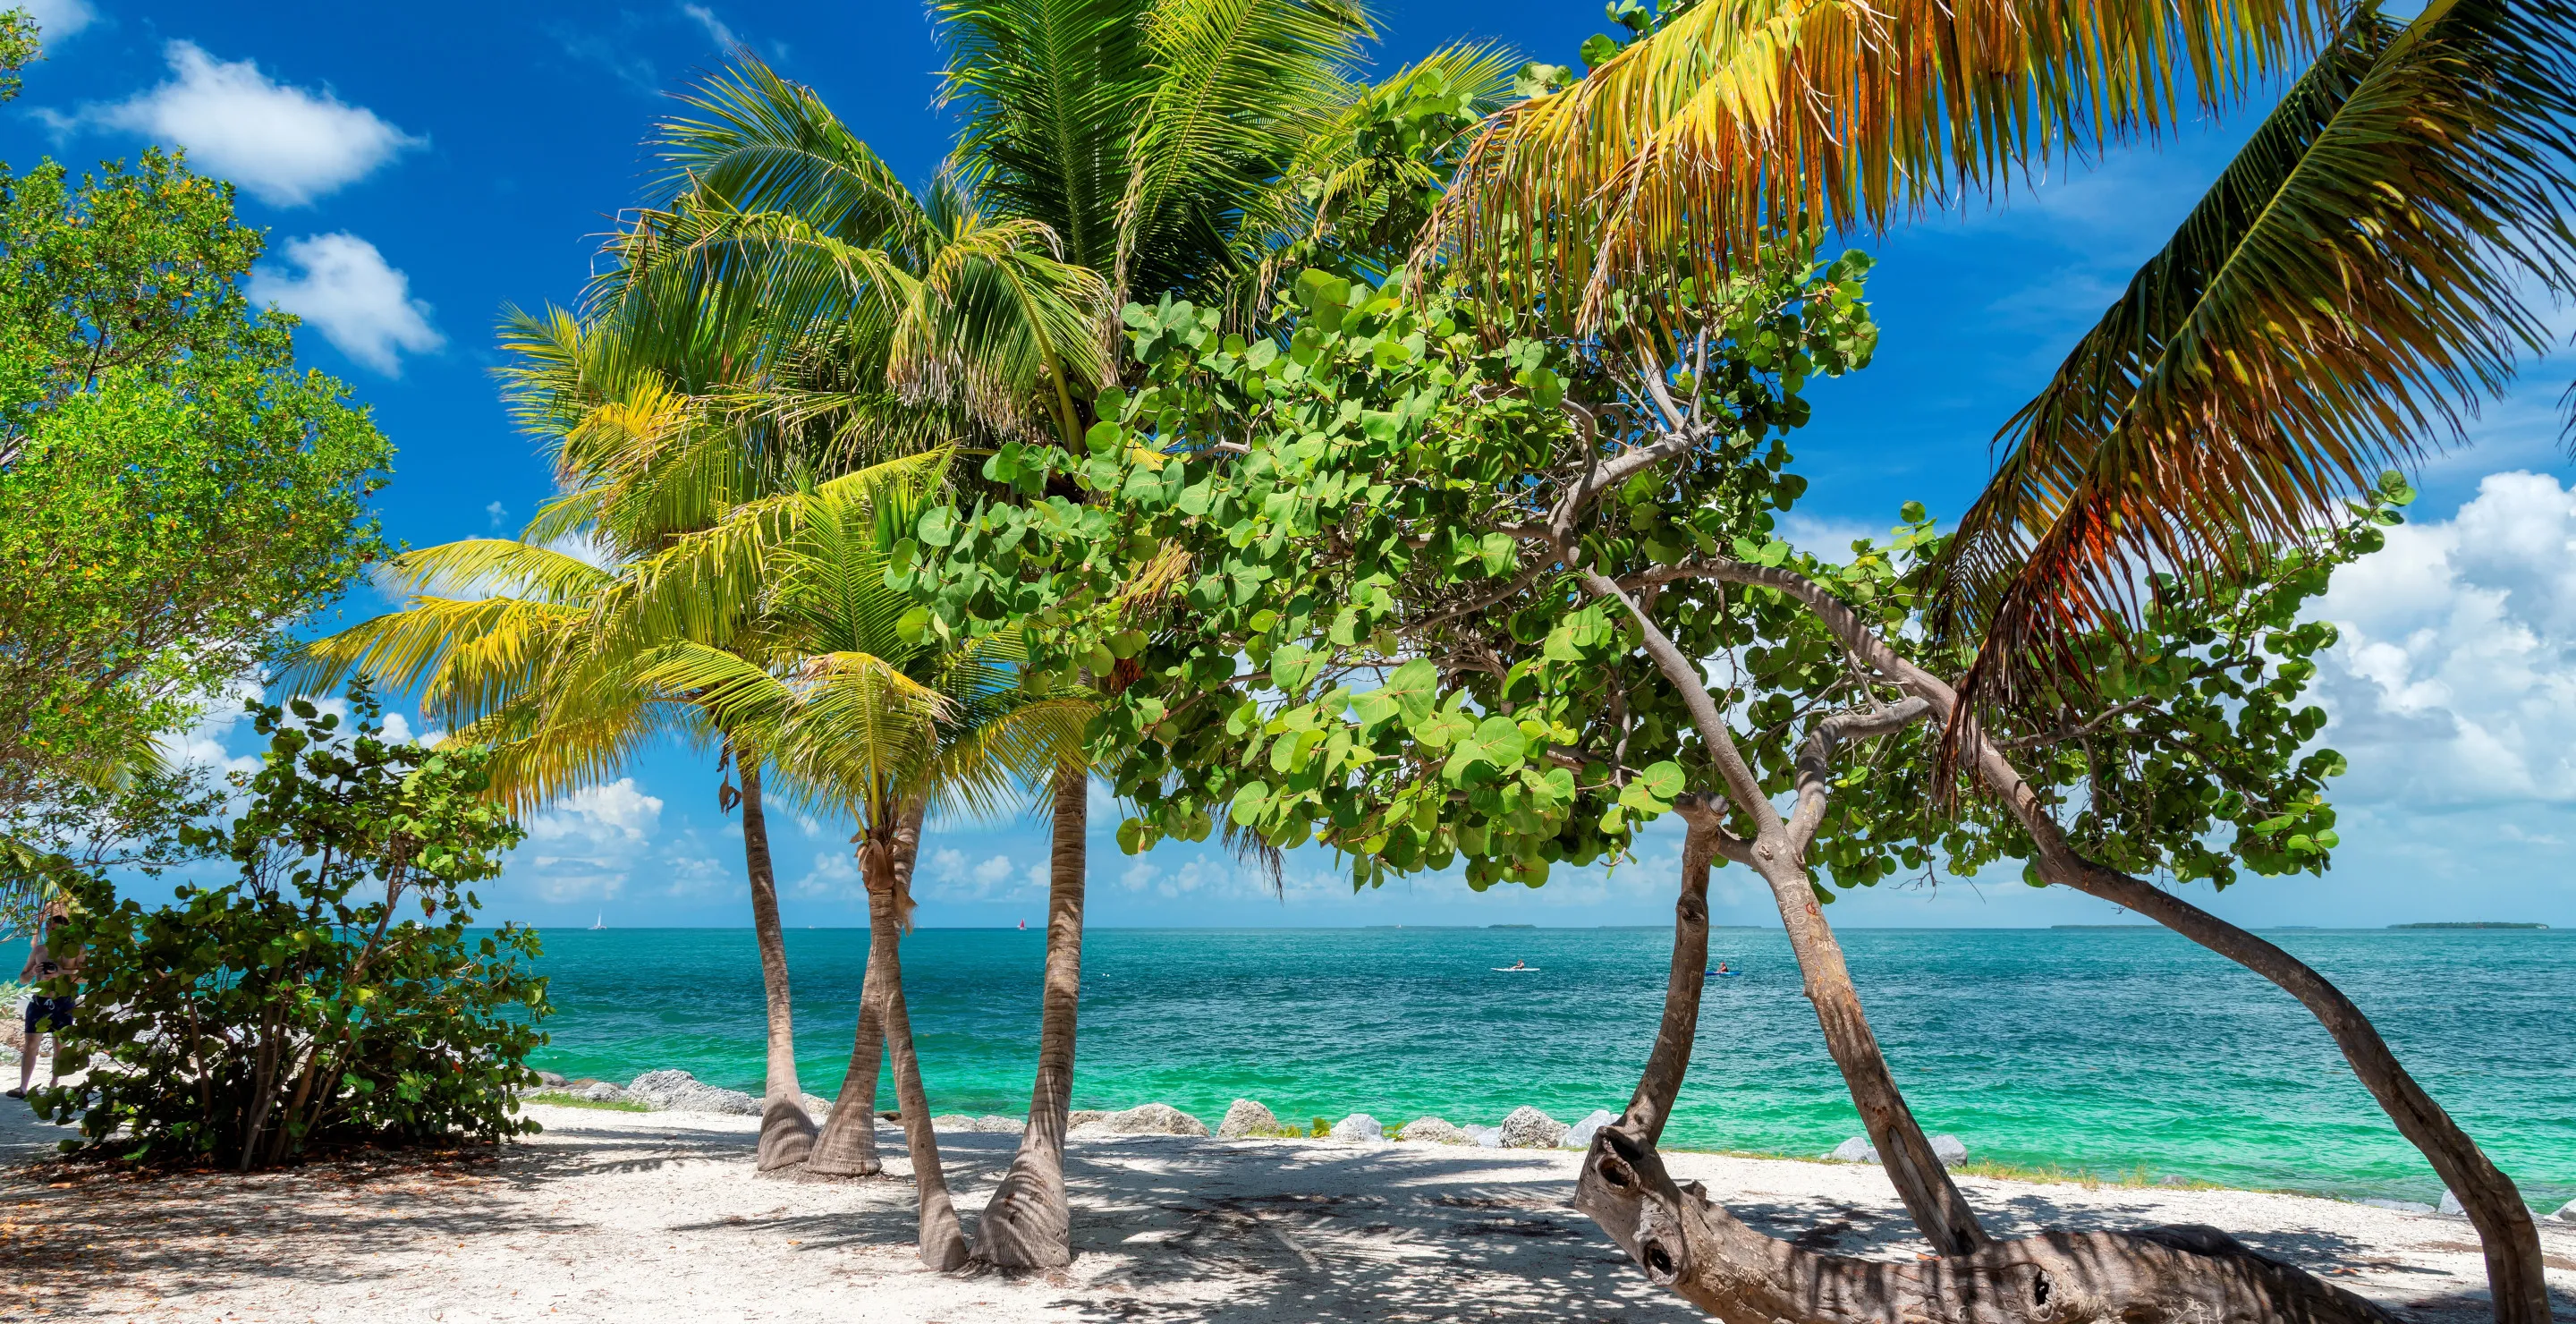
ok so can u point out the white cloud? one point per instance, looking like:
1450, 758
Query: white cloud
2455, 680
57, 19
834, 877
286, 145
716, 30
590, 842
949, 874
498, 512
358, 302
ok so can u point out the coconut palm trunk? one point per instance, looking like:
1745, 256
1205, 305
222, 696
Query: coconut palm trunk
786, 1133
887, 865
1029, 1223
848, 1145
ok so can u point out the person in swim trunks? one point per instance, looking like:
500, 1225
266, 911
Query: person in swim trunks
49, 959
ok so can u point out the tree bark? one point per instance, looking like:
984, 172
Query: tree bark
2516, 1282
1921, 1181
1661, 1082
786, 1133
2171, 1275
943, 1242
2185, 1275
848, 1144
1029, 1222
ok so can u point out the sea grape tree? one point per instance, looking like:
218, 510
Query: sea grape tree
1405, 583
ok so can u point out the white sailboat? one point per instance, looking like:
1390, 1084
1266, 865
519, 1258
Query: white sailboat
599, 923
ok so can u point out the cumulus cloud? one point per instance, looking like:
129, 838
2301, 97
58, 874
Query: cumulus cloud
57, 19
359, 303
950, 874
589, 843
2454, 683
286, 145
498, 512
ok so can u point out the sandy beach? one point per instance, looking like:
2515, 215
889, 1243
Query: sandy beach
628, 1216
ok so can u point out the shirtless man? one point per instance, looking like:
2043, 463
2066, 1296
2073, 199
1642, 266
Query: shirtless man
44, 1013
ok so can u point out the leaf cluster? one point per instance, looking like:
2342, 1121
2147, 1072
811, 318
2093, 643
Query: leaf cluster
331, 991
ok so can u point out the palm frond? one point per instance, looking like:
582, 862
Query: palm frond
1242, 88
1744, 118
2357, 279
1049, 91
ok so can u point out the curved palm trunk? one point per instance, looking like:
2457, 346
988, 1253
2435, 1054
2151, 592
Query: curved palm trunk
1029, 1222
889, 867
848, 1145
786, 1133
1704, 1254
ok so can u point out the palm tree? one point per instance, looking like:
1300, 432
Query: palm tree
515, 641
885, 727
1154, 147
2364, 271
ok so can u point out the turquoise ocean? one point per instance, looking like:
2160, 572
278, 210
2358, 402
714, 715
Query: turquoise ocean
2117, 1052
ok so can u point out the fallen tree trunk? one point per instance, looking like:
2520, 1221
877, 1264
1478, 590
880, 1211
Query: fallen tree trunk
1695, 1248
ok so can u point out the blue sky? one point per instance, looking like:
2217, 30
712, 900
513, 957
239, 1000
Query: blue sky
419, 168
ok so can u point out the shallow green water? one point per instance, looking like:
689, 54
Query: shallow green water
2110, 1051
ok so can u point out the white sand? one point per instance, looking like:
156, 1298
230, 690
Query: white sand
654, 1217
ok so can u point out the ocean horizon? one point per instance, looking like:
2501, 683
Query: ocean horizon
2121, 1052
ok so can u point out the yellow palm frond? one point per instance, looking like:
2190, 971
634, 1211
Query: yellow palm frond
1744, 118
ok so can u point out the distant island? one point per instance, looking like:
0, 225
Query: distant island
2106, 926
2469, 924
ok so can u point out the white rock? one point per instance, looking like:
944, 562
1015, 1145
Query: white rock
550, 1080
1434, 1130
817, 1107
1528, 1128
1082, 1117
678, 1091
1855, 1150
601, 1092
1243, 1117
1949, 1149
2450, 1207
996, 1124
1148, 1119
952, 1122
2566, 1212
1358, 1128
1579, 1135
1487, 1137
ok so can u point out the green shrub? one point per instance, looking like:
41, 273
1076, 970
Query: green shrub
568, 1099
331, 991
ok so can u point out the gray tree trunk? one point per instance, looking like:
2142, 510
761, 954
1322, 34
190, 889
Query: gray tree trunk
2180, 1275
1776, 853
848, 1144
2516, 1283
786, 1133
1029, 1222
943, 1242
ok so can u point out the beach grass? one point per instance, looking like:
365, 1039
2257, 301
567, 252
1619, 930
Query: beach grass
568, 1099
